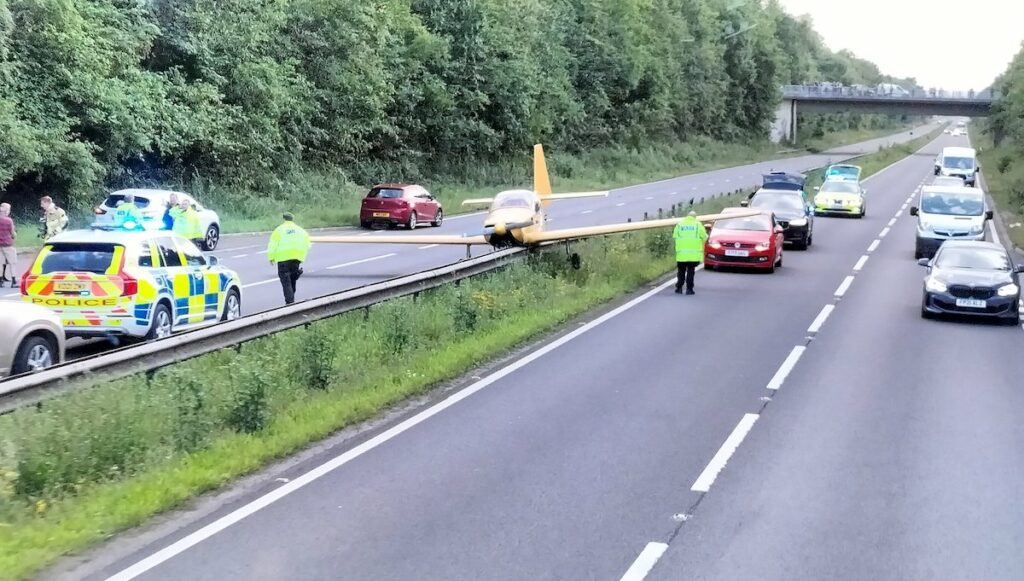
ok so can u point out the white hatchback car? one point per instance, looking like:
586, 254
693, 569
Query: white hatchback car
153, 205
33, 338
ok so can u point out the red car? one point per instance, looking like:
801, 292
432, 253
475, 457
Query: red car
747, 242
393, 204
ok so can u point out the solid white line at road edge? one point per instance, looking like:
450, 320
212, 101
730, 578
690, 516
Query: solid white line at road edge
780, 376
821, 318
707, 477
238, 514
645, 562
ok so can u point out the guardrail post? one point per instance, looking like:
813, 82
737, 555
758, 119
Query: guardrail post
645, 216
659, 213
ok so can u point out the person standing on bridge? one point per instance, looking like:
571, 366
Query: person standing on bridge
689, 237
289, 245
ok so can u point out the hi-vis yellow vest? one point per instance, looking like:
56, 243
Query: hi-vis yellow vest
689, 236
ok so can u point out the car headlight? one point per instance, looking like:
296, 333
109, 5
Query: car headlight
761, 247
977, 228
798, 222
924, 226
715, 244
1008, 290
934, 285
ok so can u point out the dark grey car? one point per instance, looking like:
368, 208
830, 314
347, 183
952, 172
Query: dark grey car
972, 278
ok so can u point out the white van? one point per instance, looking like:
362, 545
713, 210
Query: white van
948, 213
961, 162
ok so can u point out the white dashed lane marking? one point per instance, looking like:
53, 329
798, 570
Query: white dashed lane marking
844, 286
721, 458
874, 245
362, 261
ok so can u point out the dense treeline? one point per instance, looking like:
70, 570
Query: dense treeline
1006, 126
112, 92
1007, 120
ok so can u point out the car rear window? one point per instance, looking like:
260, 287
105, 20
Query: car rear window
78, 257
386, 193
114, 199
840, 187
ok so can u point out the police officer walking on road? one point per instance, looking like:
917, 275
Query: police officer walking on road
689, 237
289, 245
127, 215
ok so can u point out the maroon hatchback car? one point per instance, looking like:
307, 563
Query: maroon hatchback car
393, 204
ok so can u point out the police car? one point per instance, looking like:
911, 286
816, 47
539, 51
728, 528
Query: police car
143, 284
152, 205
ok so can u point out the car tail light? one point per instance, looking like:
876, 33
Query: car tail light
24, 283
98, 211
129, 285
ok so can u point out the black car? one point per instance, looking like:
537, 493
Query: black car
791, 211
972, 278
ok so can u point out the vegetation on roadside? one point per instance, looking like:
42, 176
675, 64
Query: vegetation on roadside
1000, 144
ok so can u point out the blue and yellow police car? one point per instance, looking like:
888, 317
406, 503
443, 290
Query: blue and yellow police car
133, 283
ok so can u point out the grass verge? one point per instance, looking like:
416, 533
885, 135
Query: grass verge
82, 467
330, 198
1004, 177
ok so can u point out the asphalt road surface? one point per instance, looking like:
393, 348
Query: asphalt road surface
869, 444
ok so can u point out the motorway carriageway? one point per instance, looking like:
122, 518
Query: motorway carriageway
802, 425
332, 268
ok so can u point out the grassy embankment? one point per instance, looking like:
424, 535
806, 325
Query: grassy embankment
331, 199
1003, 170
87, 465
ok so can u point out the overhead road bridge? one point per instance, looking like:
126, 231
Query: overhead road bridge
814, 99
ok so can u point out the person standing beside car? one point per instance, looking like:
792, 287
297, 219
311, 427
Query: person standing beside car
186, 223
8, 253
288, 247
54, 220
689, 237
170, 210
127, 215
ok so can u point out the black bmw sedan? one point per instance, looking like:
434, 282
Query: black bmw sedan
972, 278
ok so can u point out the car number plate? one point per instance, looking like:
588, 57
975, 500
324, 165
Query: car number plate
837, 206
971, 303
70, 286
381, 214
737, 253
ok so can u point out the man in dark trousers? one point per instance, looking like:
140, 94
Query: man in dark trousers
689, 237
288, 248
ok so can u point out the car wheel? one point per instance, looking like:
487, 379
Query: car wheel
709, 267
232, 306
365, 224
438, 218
918, 255
771, 269
412, 223
34, 354
212, 238
162, 325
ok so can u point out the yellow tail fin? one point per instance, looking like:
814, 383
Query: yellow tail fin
541, 180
